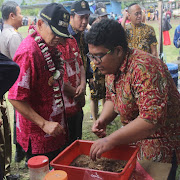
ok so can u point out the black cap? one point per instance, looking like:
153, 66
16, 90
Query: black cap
101, 12
100, 5
58, 19
80, 8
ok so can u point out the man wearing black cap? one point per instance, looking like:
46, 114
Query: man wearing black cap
79, 16
102, 13
80, 12
37, 94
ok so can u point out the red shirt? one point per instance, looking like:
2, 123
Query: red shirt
144, 88
32, 87
72, 72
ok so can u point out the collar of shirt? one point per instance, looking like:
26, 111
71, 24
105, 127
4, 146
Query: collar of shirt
125, 61
136, 26
8, 26
71, 30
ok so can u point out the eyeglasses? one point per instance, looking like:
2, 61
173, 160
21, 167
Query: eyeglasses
138, 13
98, 59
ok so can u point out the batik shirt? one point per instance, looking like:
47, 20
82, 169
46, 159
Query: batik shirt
144, 88
83, 48
140, 37
32, 87
72, 72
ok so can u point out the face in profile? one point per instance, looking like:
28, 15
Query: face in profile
47, 34
18, 18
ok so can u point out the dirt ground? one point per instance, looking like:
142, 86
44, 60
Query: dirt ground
102, 164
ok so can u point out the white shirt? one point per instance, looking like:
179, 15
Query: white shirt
10, 40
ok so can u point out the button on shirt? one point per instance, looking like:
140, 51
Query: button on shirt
10, 40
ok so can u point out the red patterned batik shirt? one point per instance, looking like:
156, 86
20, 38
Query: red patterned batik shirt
144, 88
72, 72
32, 87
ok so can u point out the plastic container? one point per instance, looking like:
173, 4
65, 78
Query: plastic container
79, 147
173, 69
38, 167
56, 175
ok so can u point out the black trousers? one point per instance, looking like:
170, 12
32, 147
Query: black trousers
75, 127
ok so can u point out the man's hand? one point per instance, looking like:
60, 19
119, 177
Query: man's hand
80, 91
125, 15
99, 129
99, 147
53, 128
69, 90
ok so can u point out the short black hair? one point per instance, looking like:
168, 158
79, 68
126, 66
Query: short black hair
108, 33
7, 8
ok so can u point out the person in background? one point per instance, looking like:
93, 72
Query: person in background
100, 5
149, 15
37, 94
139, 35
140, 88
10, 40
79, 16
97, 86
124, 13
9, 72
102, 13
176, 40
168, 15
166, 26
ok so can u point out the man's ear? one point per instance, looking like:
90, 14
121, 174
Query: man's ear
71, 18
11, 15
129, 17
119, 50
39, 24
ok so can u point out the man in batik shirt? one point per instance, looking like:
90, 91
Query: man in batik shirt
139, 35
74, 87
37, 94
140, 88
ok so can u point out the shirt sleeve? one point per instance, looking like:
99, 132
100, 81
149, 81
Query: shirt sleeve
14, 43
151, 92
152, 37
22, 88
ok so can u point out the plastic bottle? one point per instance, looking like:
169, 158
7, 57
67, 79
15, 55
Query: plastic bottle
38, 167
56, 175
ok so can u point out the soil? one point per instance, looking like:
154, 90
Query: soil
103, 164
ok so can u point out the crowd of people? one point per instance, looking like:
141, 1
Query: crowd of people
62, 54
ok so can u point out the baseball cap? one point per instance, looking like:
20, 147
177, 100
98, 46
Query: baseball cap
80, 8
58, 19
100, 5
101, 12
